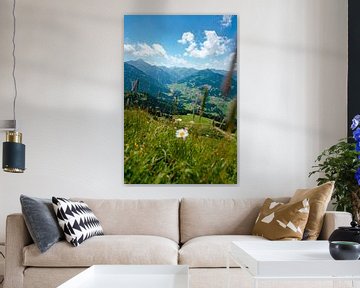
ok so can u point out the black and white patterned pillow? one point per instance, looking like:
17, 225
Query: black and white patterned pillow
77, 220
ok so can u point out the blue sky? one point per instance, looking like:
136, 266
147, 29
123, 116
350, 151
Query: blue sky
199, 41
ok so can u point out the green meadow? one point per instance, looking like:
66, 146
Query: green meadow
154, 155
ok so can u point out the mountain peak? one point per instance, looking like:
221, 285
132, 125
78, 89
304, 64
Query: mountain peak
154, 71
207, 72
139, 61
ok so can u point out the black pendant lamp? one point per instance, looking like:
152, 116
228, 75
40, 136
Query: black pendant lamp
13, 153
13, 160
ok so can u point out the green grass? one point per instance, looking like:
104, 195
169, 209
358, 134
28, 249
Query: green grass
153, 155
189, 119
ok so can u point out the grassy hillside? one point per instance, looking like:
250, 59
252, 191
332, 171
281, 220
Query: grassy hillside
154, 155
211, 79
215, 106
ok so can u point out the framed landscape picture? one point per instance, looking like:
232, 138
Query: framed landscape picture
180, 99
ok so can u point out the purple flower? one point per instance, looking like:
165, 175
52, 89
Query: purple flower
357, 176
357, 147
355, 122
356, 134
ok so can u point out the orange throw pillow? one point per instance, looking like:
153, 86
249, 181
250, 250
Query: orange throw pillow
319, 198
279, 221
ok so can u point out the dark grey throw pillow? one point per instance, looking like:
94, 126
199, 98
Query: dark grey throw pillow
41, 221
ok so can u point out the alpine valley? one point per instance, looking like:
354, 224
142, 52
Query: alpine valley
177, 90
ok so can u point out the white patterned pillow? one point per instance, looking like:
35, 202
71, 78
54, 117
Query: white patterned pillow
77, 220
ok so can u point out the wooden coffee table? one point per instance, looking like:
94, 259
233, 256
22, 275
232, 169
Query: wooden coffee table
131, 276
293, 260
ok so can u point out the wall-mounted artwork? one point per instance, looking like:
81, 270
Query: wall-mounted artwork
180, 99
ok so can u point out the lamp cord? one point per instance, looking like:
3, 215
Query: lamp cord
14, 61
2, 280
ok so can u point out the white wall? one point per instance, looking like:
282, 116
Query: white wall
293, 62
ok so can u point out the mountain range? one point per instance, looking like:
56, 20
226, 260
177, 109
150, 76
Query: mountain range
147, 83
154, 79
157, 73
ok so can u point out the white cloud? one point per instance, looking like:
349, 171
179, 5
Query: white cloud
178, 61
155, 54
226, 21
213, 44
145, 50
170, 61
186, 37
228, 60
222, 64
159, 49
128, 48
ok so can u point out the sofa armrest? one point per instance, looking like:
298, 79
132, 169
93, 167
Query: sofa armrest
17, 237
333, 220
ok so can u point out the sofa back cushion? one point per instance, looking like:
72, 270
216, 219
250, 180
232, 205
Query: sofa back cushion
158, 217
200, 217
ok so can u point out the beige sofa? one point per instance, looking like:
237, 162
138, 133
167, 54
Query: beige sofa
194, 232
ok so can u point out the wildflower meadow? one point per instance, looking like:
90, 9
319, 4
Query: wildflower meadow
157, 153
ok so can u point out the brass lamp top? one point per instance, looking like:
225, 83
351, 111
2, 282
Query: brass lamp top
13, 136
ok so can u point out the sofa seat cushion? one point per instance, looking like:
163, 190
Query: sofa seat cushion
107, 249
211, 251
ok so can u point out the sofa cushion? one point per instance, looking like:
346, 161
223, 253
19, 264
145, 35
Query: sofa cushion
211, 251
107, 249
201, 217
158, 217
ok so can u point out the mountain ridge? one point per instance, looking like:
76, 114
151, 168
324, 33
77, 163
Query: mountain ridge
146, 83
152, 70
174, 73
157, 78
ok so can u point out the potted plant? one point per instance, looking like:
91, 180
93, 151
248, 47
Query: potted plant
341, 163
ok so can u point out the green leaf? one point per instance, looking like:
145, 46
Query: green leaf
339, 163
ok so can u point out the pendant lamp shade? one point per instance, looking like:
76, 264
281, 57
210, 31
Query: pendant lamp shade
13, 153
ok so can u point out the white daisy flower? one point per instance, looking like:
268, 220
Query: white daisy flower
182, 133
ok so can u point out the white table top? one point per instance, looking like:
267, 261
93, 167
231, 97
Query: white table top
131, 276
291, 259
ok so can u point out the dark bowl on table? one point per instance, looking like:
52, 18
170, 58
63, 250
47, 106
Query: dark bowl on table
344, 250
